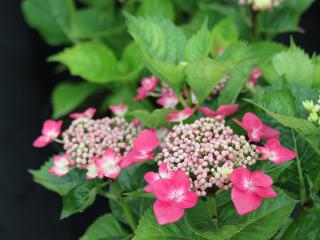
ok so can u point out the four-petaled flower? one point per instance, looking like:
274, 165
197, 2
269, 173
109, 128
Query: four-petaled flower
168, 100
87, 114
147, 86
152, 177
180, 116
249, 188
143, 147
276, 153
119, 110
255, 128
222, 112
173, 197
50, 131
60, 166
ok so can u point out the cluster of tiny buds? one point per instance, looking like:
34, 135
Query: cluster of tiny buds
314, 111
88, 138
207, 151
261, 5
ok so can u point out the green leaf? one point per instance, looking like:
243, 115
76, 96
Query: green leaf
61, 185
306, 226
198, 46
79, 198
92, 61
273, 170
163, 8
265, 50
51, 18
224, 34
99, 3
203, 76
67, 96
149, 229
163, 47
156, 119
295, 65
105, 227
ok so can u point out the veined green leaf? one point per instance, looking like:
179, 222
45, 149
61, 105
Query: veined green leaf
161, 8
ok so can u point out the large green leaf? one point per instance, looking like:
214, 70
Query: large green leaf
163, 8
67, 96
61, 185
51, 18
79, 198
204, 75
92, 61
156, 119
105, 227
306, 226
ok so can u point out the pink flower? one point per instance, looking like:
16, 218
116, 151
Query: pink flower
222, 112
60, 166
173, 197
255, 128
147, 86
249, 188
276, 153
51, 130
136, 122
119, 110
180, 116
109, 165
152, 177
254, 77
168, 100
143, 147
88, 114
220, 51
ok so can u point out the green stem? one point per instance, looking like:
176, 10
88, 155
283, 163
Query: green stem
125, 206
300, 172
212, 204
182, 101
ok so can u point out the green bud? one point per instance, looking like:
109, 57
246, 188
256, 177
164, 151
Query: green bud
308, 105
313, 117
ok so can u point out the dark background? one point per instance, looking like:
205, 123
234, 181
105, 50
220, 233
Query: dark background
28, 211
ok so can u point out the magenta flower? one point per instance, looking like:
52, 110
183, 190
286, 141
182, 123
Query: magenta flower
109, 165
168, 100
276, 153
255, 128
222, 112
119, 110
152, 177
249, 188
143, 147
51, 130
180, 116
87, 114
173, 197
147, 86
60, 166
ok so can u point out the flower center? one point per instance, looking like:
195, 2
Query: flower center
249, 185
177, 195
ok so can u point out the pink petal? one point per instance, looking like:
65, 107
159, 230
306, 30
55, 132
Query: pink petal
190, 199
41, 141
58, 171
168, 100
51, 128
142, 93
239, 177
163, 189
265, 153
127, 161
149, 84
109, 154
148, 188
284, 155
251, 121
151, 177
239, 123
268, 132
119, 110
180, 116
113, 173
208, 112
265, 192
273, 144
260, 179
146, 141
88, 114
227, 110
245, 202
254, 135
167, 212
256, 73
163, 170
180, 180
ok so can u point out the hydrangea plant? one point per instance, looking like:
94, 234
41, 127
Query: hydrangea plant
208, 128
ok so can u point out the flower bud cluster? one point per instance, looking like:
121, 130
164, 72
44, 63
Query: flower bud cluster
207, 151
314, 111
261, 5
88, 138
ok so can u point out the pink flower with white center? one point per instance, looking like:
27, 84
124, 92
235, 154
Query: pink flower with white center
147, 86
109, 165
276, 153
51, 130
143, 147
168, 100
119, 110
180, 116
152, 177
60, 166
222, 112
255, 128
87, 114
256, 73
92, 170
173, 197
249, 188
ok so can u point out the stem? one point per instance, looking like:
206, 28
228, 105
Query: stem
125, 206
212, 204
58, 141
182, 101
254, 15
300, 171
